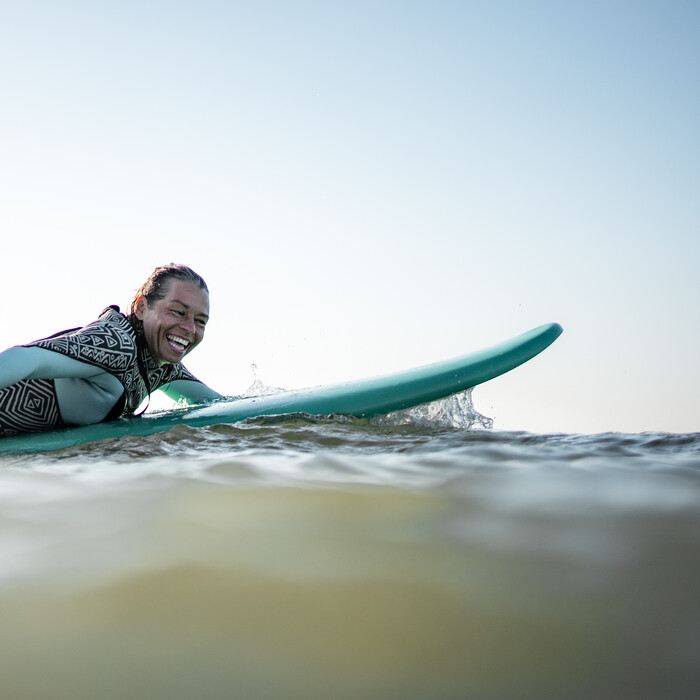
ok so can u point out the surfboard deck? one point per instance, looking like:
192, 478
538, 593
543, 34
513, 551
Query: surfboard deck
363, 399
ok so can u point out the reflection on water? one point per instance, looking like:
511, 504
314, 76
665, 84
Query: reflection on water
314, 559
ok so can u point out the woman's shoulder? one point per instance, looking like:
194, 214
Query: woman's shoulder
108, 342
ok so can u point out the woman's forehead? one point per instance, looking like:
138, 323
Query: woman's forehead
188, 294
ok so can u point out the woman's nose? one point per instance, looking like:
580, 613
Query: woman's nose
187, 324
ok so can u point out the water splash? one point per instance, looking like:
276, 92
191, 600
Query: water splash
258, 387
456, 411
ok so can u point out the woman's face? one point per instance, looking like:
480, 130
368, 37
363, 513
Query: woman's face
174, 325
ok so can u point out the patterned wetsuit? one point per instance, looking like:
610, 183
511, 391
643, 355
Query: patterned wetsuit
114, 343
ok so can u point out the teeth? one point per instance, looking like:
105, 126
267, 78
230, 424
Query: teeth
181, 343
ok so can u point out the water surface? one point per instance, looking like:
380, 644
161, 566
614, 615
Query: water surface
318, 558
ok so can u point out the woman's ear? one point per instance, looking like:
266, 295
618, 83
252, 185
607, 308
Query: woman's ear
140, 307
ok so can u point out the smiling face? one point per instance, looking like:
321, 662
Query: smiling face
174, 325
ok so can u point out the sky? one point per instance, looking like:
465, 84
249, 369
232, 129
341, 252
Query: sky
369, 186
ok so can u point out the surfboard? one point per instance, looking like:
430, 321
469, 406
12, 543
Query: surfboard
363, 398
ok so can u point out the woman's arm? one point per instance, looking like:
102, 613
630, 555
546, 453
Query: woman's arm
20, 363
193, 392
85, 393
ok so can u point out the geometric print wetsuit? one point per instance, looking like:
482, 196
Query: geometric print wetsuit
115, 344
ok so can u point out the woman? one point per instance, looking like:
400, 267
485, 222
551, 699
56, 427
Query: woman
106, 369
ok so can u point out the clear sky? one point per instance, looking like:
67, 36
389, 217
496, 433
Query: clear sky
369, 186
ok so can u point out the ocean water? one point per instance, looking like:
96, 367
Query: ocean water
420, 556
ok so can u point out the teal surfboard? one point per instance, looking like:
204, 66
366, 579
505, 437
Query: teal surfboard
363, 399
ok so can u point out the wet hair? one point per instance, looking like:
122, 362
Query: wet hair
156, 286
